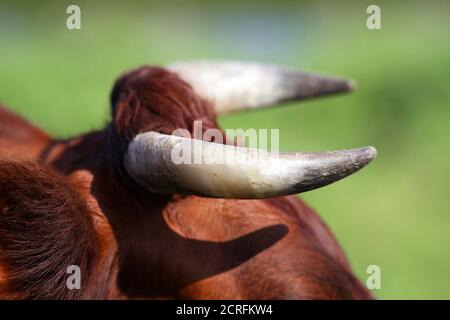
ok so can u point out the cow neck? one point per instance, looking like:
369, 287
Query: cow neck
136, 215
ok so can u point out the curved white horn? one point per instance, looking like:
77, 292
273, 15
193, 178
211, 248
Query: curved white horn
234, 86
155, 161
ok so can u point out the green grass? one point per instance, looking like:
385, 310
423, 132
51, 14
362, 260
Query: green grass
395, 213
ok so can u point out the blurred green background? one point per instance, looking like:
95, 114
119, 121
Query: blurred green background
394, 214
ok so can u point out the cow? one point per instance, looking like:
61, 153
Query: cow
139, 226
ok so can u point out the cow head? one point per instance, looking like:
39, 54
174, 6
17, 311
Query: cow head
148, 104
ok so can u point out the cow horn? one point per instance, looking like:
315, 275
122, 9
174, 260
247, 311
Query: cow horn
234, 86
246, 173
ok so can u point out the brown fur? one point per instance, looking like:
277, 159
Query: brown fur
45, 226
173, 246
19, 138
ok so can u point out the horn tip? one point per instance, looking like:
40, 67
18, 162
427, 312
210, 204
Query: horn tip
351, 85
345, 85
365, 155
331, 85
370, 152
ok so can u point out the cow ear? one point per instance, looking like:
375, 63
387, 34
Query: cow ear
120, 99
129, 117
82, 179
118, 93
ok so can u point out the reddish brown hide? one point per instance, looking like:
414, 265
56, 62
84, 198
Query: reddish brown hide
131, 243
19, 139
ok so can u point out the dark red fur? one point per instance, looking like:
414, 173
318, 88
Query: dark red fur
19, 138
45, 226
172, 246
151, 98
